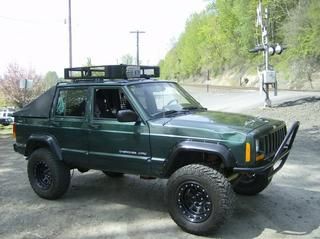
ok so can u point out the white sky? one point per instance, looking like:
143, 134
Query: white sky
33, 32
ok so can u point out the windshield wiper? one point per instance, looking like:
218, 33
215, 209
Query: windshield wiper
169, 112
164, 113
183, 110
194, 108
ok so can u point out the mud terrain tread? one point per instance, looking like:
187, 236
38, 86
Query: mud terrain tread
60, 174
219, 184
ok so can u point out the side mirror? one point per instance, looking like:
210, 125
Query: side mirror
127, 116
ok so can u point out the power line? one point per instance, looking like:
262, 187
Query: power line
29, 21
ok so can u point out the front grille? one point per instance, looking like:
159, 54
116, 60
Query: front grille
269, 143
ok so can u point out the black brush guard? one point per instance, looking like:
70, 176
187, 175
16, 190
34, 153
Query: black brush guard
281, 154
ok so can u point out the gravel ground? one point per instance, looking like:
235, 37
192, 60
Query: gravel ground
100, 207
306, 110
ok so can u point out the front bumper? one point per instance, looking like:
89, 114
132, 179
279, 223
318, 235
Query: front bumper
281, 155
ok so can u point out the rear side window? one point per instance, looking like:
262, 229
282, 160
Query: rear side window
71, 102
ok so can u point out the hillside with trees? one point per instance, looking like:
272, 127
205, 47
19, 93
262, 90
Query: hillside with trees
218, 39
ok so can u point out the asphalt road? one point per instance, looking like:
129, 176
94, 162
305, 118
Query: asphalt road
235, 100
97, 206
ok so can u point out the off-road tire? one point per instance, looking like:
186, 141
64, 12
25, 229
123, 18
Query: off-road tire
251, 185
48, 177
188, 186
113, 174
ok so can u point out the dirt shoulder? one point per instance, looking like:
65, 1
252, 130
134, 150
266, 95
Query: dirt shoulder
305, 109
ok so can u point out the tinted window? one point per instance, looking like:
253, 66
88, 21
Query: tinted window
71, 102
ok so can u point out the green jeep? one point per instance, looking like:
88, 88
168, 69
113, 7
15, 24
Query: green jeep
121, 120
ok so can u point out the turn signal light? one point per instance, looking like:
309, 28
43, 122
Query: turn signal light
248, 152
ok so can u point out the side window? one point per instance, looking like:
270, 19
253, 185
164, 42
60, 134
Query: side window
71, 102
107, 102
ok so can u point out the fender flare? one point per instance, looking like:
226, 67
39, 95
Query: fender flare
193, 146
50, 141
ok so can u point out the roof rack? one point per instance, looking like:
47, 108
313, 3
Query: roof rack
111, 72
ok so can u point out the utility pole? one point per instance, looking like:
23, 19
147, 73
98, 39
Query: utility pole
70, 36
137, 32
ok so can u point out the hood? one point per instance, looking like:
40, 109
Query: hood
208, 123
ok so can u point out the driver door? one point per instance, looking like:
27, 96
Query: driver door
113, 145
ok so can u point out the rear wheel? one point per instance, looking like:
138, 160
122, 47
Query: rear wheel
49, 177
199, 198
252, 184
113, 174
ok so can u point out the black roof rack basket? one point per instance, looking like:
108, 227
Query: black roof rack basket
111, 72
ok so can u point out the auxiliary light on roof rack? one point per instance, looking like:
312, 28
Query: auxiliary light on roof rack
111, 72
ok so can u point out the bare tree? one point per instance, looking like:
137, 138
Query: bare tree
10, 85
89, 61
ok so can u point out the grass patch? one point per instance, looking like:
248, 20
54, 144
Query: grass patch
5, 130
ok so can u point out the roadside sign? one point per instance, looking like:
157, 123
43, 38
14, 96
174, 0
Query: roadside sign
25, 84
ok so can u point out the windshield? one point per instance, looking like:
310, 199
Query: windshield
163, 98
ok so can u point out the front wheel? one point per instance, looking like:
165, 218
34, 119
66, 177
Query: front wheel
252, 184
49, 177
199, 198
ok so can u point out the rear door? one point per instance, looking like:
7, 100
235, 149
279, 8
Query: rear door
113, 145
69, 124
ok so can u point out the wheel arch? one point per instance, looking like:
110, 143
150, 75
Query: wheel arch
36, 141
188, 152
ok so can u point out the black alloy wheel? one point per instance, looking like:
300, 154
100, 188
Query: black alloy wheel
199, 198
43, 175
194, 202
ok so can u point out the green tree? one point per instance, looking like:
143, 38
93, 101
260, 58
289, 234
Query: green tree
3, 102
50, 79
218, 39
302, 35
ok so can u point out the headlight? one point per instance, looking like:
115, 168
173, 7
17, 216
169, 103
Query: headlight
257, 145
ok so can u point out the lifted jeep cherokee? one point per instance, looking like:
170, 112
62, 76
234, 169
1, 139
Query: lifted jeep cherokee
121, 120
